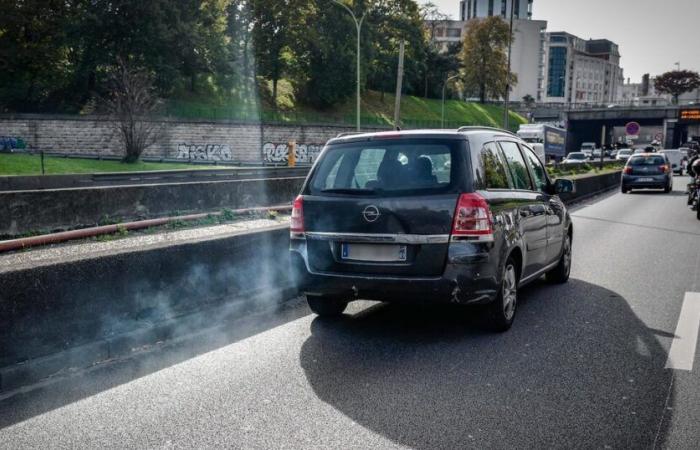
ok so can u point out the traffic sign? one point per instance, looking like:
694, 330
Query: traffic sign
632, 129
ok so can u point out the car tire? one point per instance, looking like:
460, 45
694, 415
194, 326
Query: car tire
325, 306
668, 188
560, 274
501, 312
697, 210
624, 190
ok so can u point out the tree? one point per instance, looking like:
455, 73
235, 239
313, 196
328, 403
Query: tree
677, 83
528, 101
485, 59
273, 35
130, 101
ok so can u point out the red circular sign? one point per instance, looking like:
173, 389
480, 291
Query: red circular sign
632, 129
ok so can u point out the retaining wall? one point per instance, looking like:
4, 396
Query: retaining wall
73, 314
186, 140
59, 209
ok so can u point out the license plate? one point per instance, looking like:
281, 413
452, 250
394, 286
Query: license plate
644, 180
373, 252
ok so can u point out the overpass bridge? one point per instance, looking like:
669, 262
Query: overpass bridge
672, 125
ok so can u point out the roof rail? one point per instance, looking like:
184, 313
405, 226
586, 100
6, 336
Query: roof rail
477, 127
348, 133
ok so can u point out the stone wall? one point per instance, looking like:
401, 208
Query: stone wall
186, 140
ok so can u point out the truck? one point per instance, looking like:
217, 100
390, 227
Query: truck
548, 141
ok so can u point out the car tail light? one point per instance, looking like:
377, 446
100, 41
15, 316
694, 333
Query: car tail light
472, 217
297, 222
664, 168
627, 170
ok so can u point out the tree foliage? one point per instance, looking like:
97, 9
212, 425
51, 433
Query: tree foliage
677, 83
59, 55
485, 58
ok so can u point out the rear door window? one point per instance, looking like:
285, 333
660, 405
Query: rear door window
386, 167
516, 164
495, 174
647, 161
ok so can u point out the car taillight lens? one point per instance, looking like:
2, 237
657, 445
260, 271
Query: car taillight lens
664, 168
472, 216
627, 170
297, 222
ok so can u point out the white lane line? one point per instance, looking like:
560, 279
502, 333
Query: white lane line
682, 352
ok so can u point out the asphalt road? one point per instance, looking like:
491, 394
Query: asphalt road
583, 366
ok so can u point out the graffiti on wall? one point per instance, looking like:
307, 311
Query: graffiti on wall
277, 153
9, 144
204, 152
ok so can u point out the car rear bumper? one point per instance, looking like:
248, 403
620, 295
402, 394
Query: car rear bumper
639, 182
468, 278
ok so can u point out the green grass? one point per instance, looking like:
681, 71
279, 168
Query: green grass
416, 112
26, 164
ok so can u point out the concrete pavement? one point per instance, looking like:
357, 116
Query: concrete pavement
583, 366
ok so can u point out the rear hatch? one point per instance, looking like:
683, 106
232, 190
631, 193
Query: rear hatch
643, 165
384, 206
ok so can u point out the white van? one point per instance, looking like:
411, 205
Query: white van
675, 157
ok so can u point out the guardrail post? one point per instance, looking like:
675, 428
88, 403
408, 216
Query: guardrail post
43, 172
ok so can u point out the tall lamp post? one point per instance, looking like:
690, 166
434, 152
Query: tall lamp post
358, 26
510, 47
444, 88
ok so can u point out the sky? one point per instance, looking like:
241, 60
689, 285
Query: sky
653, 35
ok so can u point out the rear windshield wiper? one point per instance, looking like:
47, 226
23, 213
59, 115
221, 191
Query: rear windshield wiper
349, 191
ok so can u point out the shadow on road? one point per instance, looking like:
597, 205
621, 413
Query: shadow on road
578, 369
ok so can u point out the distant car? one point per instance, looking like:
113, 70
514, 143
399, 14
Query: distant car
675, 157
647, 171
576, 158
588, 148
623, 155
613, 154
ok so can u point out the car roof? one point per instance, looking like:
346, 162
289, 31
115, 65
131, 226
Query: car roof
462, 133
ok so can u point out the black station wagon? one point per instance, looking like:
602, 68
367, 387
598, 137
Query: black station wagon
464, 217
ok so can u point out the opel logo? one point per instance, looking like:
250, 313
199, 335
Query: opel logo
371, 213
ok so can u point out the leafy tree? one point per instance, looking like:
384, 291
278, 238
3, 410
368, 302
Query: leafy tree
273, 34
326, 55
528, 101
34, 60
677, 83
485, 60
390, 22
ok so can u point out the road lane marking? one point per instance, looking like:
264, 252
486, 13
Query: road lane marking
682, 353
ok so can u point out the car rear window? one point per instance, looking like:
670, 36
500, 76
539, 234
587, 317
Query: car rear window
647, 161
386, 167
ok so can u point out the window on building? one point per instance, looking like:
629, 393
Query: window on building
556, 76
503, 7
490, 8
517, 8
454, 32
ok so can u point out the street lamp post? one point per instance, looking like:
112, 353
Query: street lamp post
358, 26
444, 88
510, 47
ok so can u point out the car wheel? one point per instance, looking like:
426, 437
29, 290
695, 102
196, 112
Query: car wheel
501, 312
668, 188
325, 306
697, 210
560, 274
624, 190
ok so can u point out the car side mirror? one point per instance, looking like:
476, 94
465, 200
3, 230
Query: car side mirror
564, 186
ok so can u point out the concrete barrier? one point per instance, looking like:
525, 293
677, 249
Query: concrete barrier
587, 186
72, 314
23, 212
